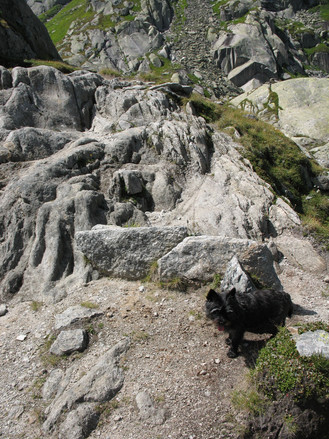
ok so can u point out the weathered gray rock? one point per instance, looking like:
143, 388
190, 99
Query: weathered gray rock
100, 384
313, 343
301, 253
236, 277
199, 258
25, 33
250, 51
31, 143
52, 384
43, 97
321, 155
41, 7
75, 314
5, 78
259, 263
159, 11
48, 200
80, 422
3, 309
148, 412
282, 217
128, 252
69, 341
298, 101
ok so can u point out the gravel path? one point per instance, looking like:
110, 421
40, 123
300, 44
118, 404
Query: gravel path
176, 357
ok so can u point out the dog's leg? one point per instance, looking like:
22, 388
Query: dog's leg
236, 337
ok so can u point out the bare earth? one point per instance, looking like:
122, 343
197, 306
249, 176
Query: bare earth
176, 356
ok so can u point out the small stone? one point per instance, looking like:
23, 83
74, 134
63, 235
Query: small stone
217, 361
141, 289
313, 343
3, 309
21, 337
69, 341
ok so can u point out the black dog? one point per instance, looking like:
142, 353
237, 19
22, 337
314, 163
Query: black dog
259, 311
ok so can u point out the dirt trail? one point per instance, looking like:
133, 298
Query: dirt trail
176, 356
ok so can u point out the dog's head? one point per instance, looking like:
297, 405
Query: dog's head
216, 309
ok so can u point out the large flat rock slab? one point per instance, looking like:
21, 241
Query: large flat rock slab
298, 101
200, 257
127, 253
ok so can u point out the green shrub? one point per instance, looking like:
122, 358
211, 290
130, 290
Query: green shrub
280, 370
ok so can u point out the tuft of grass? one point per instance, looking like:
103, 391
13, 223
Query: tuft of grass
323, 9
216, 281
36, 306
162, 74
59, 65
249, 400
205, 108
174, 284
37, 386
110, 72
89, 304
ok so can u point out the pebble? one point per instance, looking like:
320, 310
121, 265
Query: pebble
3, 309
21, 337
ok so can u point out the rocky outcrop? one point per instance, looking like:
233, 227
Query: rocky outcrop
291, 106
252, 53
20, 29
41, 7
123, 42
128, 253
102, 382
128, 155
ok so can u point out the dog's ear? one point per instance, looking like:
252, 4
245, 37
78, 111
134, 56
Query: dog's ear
231, 293
212, 296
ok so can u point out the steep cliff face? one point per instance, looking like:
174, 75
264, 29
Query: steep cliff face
22, 36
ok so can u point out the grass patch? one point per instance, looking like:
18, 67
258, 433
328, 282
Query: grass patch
161, 74
59, 65
59, 19
110, 72
215, 285
249, 400
36, 306
90, 305
217, 5
48, 15
316, 215
274, 157
280, 370
75, 10
319, 48
205, 108
323, 9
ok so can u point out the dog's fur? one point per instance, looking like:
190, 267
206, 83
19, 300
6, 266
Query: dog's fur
259, 311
